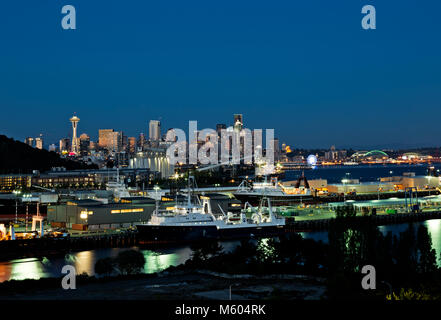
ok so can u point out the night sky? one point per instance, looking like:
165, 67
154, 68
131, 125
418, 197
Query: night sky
305, 68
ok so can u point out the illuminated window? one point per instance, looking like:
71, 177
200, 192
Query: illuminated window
85, 213
127, 210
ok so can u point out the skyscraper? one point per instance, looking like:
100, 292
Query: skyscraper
65, 145
238, 122
276, 149
132, 145
39, 142
84, 144
75, 145
238, 117
154, 130
141, 141
110, 140
124, 142
220, 127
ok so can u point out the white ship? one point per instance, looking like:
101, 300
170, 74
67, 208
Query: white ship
118, 188
195, 222
275, 191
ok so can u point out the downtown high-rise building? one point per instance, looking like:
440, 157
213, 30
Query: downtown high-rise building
154, 130
238, 119
84, 144
276, 149
39, 143
34, 142
110, 140
220, 127
65, 145
141, 141
125, 142
132, 145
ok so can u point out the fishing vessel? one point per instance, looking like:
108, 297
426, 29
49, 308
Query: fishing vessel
273, 190
117, 187
195, 221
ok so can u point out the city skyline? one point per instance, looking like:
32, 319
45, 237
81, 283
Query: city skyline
95, 133
94, 136
315, 76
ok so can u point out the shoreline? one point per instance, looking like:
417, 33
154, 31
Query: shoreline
40, 247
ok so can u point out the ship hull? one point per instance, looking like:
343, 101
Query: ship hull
250, 232
151, 234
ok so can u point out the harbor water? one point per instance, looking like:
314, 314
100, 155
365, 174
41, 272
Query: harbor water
365, 173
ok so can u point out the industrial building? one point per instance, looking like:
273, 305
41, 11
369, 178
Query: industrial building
386, 184
92, 214
410, 180
153, 159
388, 205
363, 187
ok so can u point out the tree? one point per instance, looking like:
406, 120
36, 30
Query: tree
426, 254
406, 253
104, 266
130, 262
204, 250
345, 211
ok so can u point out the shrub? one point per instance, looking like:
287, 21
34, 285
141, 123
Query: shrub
104, 266
130, 262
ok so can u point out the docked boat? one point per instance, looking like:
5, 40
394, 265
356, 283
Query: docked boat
195, 221
273, 190
117, 187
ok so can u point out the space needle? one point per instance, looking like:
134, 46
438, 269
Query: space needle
74, 120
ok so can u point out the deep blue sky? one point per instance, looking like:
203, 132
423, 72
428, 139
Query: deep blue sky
305, 68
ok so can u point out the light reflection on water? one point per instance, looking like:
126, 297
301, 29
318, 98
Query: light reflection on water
158, 260
20, 269
84, 262
433, 226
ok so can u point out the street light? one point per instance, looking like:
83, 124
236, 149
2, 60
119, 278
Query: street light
344, 189
156, 188
378, 188
344, 181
